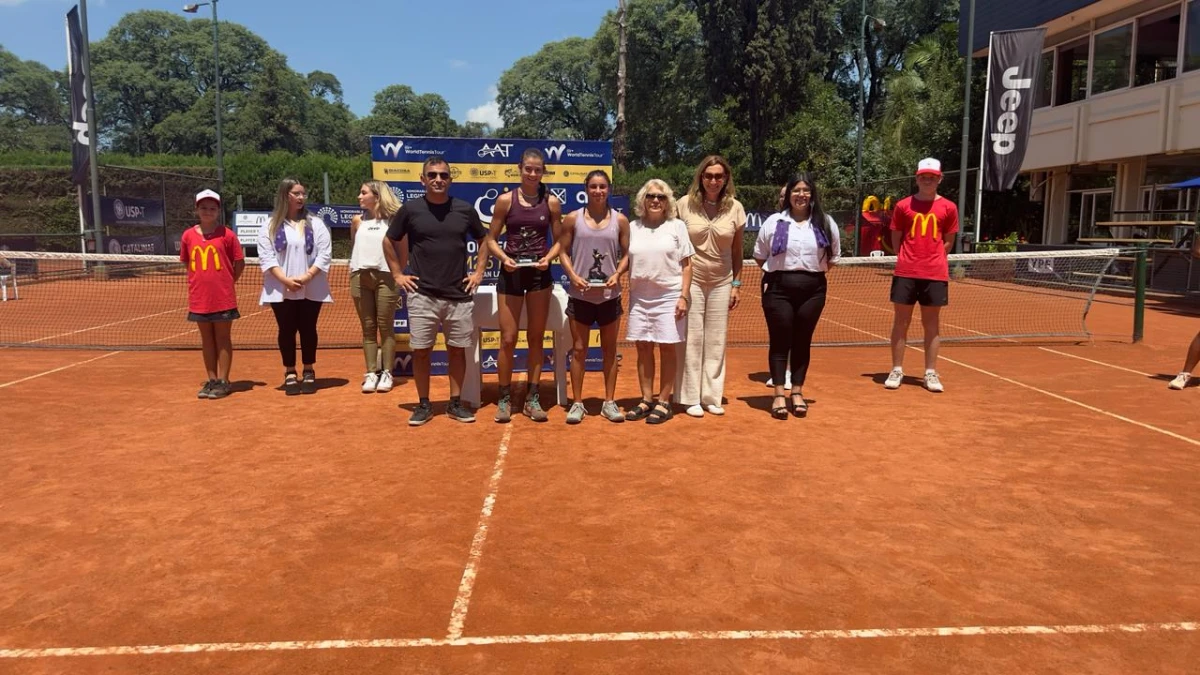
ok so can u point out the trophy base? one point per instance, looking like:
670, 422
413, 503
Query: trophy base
526, 263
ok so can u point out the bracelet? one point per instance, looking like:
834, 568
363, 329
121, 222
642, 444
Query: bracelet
737, 283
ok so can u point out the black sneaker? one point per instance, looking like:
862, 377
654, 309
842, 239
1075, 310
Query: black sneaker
219, 389
459, 412
308, 385
291, 384
206, 390
420, 415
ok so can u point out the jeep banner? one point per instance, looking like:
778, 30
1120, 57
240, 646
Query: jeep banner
482, 169
1013, 73
75, 77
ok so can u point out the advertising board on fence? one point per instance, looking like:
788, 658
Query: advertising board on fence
482, 170
131, 212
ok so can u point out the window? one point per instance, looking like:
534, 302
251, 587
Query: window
1157, 48
1070, 74
1046, 85
1110, 64
1191, 50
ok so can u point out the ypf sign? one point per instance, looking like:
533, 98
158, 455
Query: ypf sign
1013, 73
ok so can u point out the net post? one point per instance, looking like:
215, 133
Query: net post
1139, 294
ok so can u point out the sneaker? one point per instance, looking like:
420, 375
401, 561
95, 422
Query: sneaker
308, 385
576, 413
459, 412
385, 383
714, 409
504, 410
420, 415
695, 411
206, 390
933, 382
370, 383
219, 389
291, 384
894, 379
1181, 380
611, 412
533, 409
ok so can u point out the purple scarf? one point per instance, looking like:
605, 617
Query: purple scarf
281, 239
780, 240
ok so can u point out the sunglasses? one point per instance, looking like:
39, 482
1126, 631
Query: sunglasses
432, 175
714, 176
656, 197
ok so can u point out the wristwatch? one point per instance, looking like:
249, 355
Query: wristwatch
737, 283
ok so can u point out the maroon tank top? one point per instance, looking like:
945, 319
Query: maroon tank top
527, 227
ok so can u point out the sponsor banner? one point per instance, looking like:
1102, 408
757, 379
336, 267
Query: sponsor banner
481, 171
76, 76
246, 225
122, 245
1013, 72
131, 212
755, 219
333, 215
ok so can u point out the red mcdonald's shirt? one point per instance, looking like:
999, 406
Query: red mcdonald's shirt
926, 226
209, 260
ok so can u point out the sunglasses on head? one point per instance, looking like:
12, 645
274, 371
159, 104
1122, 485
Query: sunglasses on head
431, 175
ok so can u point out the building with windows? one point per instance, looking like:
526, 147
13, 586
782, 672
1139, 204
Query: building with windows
1118, 111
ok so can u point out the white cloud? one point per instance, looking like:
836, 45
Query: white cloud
454, 63
10, 3
488, 113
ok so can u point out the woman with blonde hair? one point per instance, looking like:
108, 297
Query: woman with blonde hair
372, 286
294, 252
660, 279
715, 222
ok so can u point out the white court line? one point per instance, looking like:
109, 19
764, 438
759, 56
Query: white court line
107, 325
1106, 413
648, 636
462, 602
59, 369
1099, 363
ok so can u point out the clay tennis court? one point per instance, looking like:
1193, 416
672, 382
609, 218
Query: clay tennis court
1040, 516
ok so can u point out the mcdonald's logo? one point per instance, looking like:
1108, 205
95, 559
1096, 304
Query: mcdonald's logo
203, 251
924, 220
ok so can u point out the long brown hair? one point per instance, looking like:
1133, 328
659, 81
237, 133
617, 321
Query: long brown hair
695, 195
280, 212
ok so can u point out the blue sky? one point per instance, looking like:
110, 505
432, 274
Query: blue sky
456, 48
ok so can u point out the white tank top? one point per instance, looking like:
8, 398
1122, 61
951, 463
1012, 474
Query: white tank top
368, 246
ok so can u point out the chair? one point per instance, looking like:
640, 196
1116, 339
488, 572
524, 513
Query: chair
5, 276
877, 253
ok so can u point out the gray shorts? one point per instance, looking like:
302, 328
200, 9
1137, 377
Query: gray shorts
426, 314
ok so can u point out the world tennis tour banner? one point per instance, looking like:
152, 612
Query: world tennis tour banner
482, 169
1013, 73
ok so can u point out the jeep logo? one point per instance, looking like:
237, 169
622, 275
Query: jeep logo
1004, 141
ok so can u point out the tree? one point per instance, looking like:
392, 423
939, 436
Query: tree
327, 125
666, 85
273, 115
555, 93
33, 107
400, 111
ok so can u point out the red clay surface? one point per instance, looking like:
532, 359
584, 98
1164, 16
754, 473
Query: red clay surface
133, 514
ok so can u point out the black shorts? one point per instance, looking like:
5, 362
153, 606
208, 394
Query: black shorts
927, 292
214, 317
523, 280
589, 313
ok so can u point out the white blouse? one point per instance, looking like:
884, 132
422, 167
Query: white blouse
294, 263
802, 253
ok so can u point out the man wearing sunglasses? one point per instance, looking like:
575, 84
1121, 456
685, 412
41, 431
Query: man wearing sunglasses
437, 227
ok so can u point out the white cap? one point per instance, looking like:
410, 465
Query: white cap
929, 165
207, 194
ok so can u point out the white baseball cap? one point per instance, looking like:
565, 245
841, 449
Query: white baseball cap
207, 194
929, 165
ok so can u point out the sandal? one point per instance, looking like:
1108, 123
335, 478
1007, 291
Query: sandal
779, 412
800, 408
661, 412
639, 411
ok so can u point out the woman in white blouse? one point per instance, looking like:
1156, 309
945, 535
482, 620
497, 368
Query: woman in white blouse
795, 248
294, 251
660, 279
372, 286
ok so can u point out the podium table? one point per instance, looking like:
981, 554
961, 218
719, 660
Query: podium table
486, 317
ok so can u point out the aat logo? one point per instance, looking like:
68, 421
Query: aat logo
924, 221
202, 252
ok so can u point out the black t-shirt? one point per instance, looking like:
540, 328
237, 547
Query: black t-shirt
437, 244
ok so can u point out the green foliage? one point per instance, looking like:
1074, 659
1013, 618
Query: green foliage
33, 108
555, 93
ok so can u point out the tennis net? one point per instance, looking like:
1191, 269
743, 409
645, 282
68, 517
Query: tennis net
121, 302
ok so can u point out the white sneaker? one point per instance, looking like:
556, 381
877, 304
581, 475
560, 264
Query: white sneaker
370, 383
933, 382
894, 379
787, 382
715, 409
1181, 380
385, 383
695, 411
